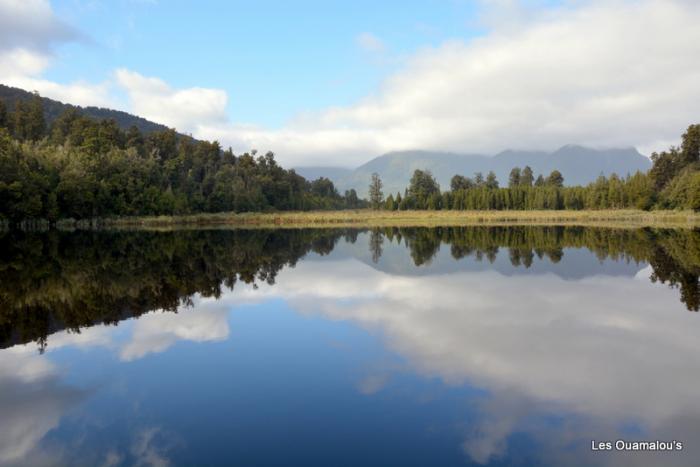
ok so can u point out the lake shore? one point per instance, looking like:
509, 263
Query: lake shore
370, 218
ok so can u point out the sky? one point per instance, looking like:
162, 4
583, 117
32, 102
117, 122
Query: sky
338, 83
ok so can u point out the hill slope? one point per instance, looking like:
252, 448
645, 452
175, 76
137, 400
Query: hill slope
52, 109
313, 173
578, 164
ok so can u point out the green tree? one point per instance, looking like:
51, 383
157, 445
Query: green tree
555, 179
640, 191
690, 147
351, 199
491, 181
460, 182
434, 201
28, 119
422, 187
390, 205
694, 193
323, 187
514, 179
665, 166
376, 196
4, 123
526, 177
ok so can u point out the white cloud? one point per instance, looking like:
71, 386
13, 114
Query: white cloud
31, 24
156, 332
601, 73
29, 30
604, 74
32, 403
479, 334
22, 62
21, 364
146, 451
185, 109
77, 93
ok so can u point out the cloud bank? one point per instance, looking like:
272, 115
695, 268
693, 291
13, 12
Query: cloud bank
600, 73
604, 74
185, 109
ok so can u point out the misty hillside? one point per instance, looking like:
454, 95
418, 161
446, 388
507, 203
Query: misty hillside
313, 173
52, 109
578, 164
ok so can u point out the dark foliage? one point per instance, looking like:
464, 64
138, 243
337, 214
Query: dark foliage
80, 168
54, 109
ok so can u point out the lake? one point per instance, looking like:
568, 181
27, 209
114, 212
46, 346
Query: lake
342, 347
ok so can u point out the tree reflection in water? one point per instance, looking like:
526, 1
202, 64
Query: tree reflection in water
68, 280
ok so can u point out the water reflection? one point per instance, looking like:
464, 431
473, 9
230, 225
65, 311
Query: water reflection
541, 339
32, 401
70, 280
583, 347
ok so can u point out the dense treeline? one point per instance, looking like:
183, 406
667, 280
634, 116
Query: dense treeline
673, 182
83, 168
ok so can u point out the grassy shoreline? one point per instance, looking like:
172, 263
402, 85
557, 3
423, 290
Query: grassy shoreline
369, 218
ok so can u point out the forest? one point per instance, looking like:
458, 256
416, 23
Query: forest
77, 167
80, 168
673, 182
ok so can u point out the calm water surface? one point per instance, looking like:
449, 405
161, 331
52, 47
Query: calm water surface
451, 346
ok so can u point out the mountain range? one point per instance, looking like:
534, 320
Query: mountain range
578, 164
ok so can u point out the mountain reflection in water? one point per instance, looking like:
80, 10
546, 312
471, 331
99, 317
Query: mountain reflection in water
506, 345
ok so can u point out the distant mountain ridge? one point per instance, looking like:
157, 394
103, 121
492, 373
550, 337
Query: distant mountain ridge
578, 164
333, 173
53, 109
